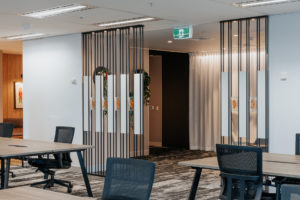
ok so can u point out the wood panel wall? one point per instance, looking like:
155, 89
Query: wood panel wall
12, 71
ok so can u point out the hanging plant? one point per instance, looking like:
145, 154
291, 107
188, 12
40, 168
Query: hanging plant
102, 71
147, 91
99, 71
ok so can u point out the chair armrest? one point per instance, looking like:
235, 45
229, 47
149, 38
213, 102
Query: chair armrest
289, 188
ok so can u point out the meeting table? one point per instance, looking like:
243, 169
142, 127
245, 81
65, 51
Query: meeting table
17, 148
274, 165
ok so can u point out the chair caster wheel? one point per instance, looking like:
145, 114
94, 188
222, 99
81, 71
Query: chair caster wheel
69, 190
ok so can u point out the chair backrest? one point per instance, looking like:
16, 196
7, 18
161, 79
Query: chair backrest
241, 160
290, 192
6, 129
64, 135
297, 152
128, 179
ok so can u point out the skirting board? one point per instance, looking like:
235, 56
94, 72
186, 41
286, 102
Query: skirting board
155, 144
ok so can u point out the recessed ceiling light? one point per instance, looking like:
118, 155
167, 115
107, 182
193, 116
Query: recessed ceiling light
25, 36
127, 21
170, 41
236, 35
261, 3
55, 11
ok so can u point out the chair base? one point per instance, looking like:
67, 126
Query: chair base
50, 183
13, 175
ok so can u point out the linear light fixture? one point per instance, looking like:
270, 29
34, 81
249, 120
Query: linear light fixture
261, 3
55, 11
25, 36
127, 21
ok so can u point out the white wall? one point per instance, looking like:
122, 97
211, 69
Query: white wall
284, 51
50, 98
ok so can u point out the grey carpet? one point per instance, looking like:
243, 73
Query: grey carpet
171, 180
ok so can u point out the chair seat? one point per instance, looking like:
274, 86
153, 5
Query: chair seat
282, 180
48, 163
43, 163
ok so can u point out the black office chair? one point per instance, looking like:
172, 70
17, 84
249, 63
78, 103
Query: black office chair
128, 179
60, 161
6, 130
241, 172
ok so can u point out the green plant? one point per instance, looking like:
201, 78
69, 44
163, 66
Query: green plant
147, 90
102, 71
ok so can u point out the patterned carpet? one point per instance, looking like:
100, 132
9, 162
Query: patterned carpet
171, 180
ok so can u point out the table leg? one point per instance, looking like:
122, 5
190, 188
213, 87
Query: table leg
195, 184
84, 174
278, 191
2, 173
6, 173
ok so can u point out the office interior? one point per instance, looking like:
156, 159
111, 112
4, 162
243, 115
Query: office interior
137, 91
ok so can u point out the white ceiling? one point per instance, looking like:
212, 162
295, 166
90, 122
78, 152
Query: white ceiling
205, 38
172, 12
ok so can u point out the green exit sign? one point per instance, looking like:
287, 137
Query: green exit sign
183, 33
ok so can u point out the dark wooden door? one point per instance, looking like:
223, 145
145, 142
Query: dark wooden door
175, 99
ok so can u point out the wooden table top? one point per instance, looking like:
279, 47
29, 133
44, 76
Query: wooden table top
12, 147
30, 193
273, 164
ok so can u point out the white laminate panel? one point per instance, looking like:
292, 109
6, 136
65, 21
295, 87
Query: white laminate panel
261, 104
124, 103
242, 104
138, 104
224, 102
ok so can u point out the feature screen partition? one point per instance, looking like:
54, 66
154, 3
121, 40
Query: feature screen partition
244, 82
113, 100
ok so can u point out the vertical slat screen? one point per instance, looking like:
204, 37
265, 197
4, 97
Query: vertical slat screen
113, 101
244, 56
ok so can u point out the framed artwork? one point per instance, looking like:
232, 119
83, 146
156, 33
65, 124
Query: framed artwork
18, 95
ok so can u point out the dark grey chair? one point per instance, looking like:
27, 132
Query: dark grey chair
279, 181
128, 179
241, 172
290, 192
60, 161
6, 130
